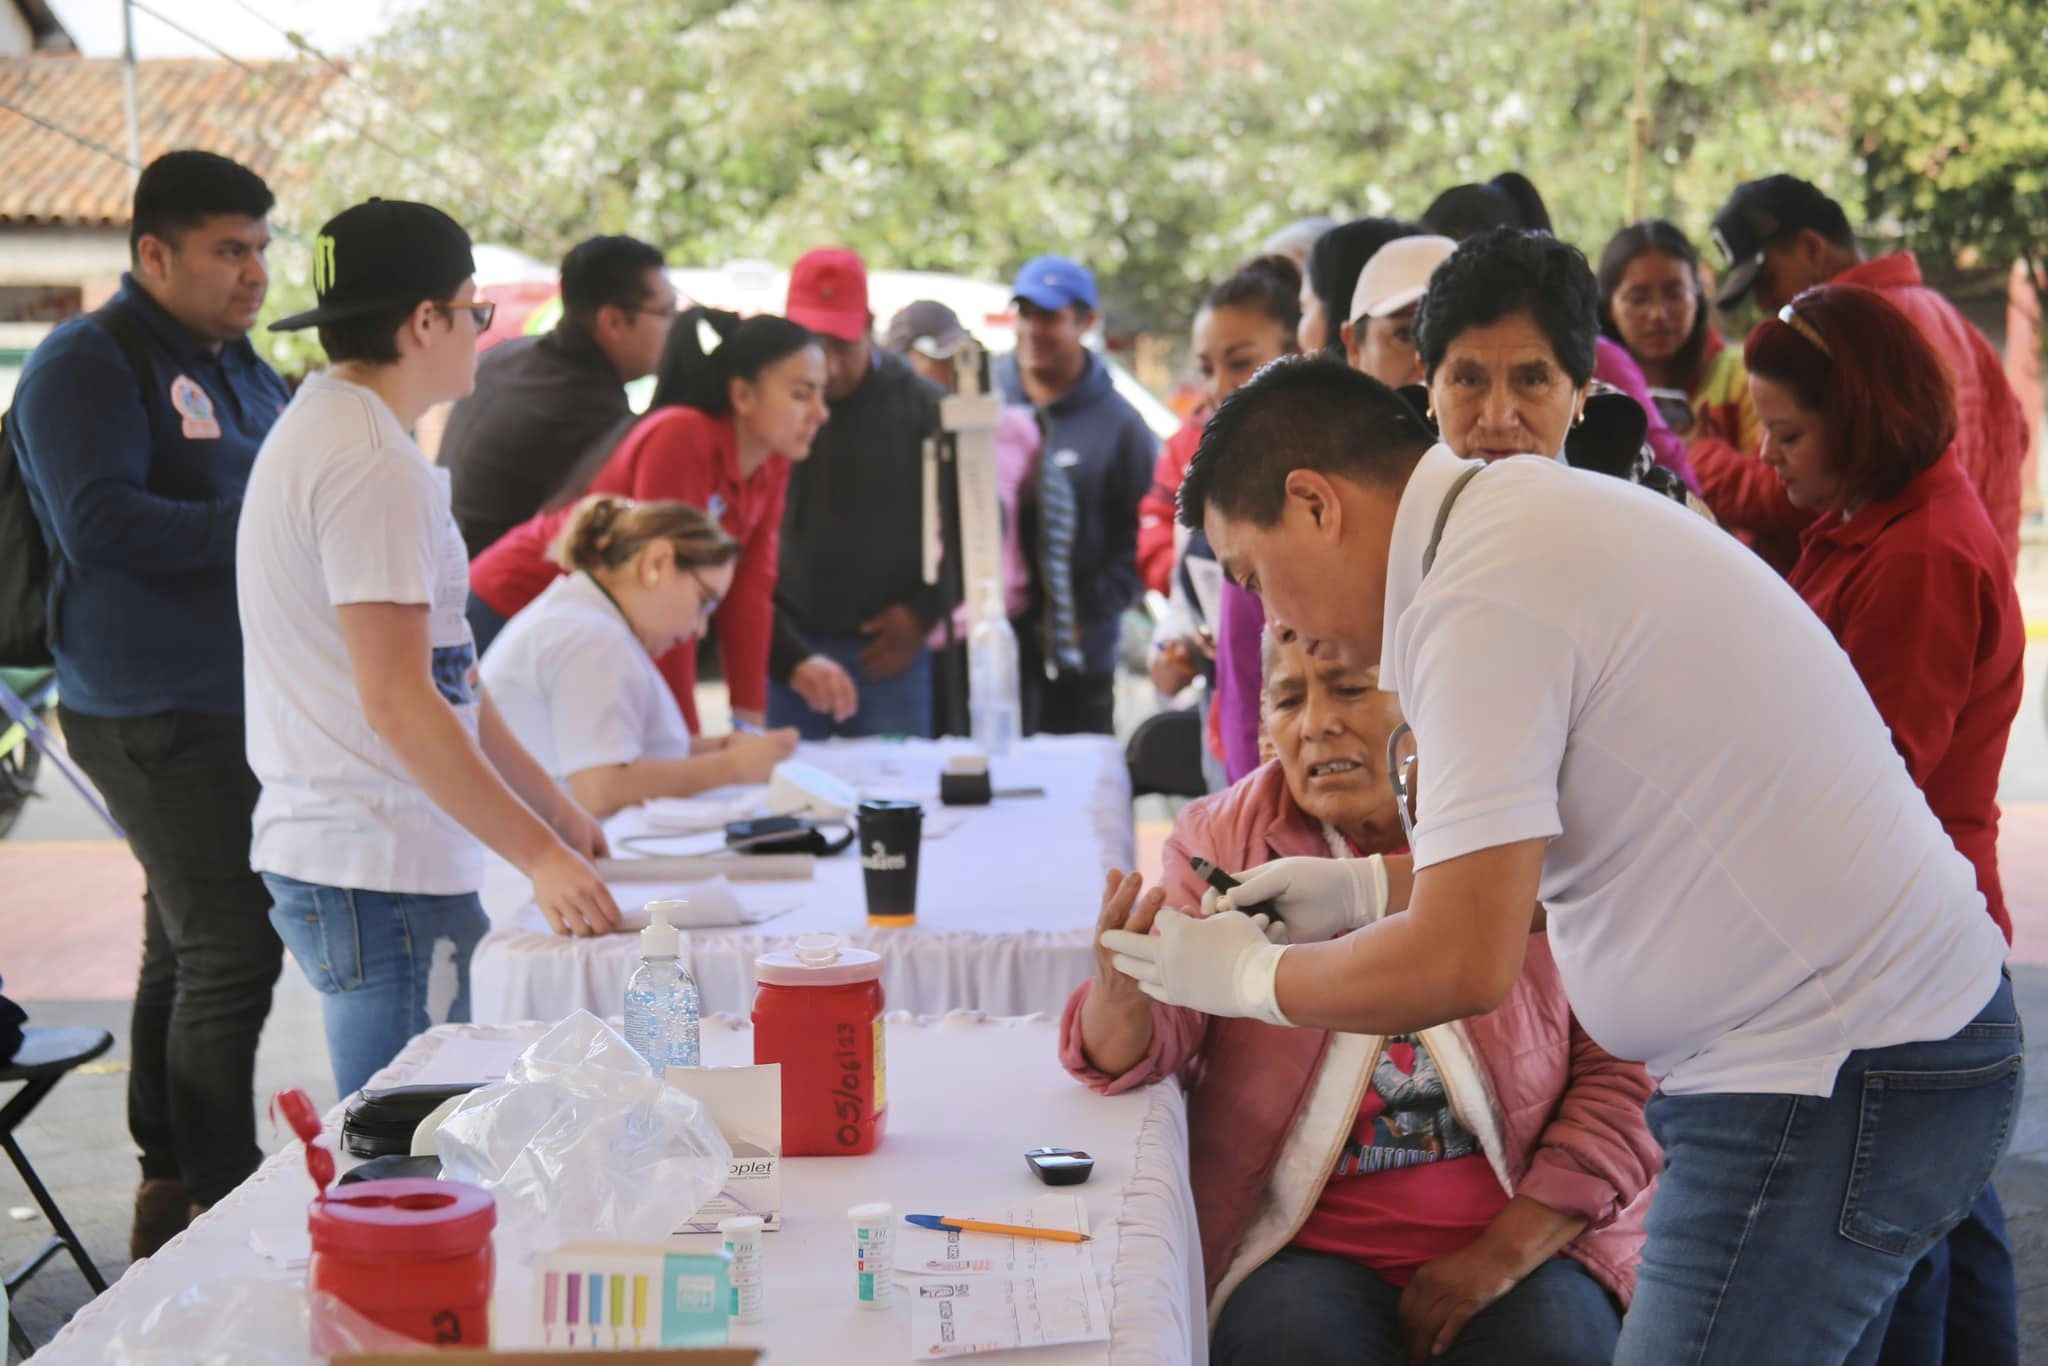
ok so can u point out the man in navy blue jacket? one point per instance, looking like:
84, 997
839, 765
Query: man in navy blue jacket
136, 479
1079, 515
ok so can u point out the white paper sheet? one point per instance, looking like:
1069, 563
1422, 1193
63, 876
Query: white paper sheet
970, 1316
950, 1252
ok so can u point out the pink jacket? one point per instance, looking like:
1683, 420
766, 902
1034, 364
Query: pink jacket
1269, 1108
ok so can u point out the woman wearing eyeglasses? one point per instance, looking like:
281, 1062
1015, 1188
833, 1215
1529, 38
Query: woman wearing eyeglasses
1905, 568
721, 435
1477, 1187
1652, 302
574, 674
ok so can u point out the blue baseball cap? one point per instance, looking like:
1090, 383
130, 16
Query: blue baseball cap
1054, 282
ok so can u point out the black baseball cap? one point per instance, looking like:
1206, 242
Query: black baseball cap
1758, 213
384, 253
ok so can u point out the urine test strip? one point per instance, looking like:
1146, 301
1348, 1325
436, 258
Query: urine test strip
575, 1314
618, 1288
550, 1315
594, 1304
639, 1310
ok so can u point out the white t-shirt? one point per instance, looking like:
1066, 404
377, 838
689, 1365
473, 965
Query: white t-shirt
1743, 882
578, 688
343, 508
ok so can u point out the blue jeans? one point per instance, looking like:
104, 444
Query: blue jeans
387, 965
890, 706
1784, 1225
1306, 1308
1960, 1307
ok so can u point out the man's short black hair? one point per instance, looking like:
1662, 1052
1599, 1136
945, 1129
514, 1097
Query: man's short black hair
606, 272
372, 338
1509, 271
1301, 412
180, 190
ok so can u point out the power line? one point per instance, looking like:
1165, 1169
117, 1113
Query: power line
480, 200
483, 158
61, 131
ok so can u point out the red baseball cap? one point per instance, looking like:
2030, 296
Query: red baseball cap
828, 293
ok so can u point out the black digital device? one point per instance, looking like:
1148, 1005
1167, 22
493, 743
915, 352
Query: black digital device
1060, 1166
1223, 882
785, 835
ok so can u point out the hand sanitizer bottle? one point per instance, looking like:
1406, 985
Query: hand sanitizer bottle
661, 999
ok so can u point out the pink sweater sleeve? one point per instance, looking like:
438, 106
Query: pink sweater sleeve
1177, 1034
1596, 1155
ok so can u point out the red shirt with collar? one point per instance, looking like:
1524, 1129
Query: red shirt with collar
1918, 591
690, 457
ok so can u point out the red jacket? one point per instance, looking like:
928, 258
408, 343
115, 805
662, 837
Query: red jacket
1160, 506
688, 456
1991, 427
1561, 1119
1918, 591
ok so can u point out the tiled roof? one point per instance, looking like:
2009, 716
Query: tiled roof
216, 105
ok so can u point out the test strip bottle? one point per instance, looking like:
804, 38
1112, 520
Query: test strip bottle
742, 1234
874, 1254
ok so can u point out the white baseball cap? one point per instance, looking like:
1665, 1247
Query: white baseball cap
1397, 275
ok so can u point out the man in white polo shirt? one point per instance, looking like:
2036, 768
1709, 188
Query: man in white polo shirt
1622, 715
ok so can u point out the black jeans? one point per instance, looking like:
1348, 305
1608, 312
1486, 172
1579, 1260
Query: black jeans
1072, 704
179, 784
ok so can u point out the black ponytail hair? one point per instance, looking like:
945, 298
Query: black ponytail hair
1509, 200
690, 376
1265, 284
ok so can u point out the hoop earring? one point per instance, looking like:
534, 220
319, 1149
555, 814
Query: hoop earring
1580, 420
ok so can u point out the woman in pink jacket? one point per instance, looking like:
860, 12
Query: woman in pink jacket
1477, 1190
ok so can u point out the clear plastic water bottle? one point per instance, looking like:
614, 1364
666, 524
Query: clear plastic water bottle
661, 999
992, 706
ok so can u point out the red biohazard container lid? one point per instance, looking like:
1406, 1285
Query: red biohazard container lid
404, 1217
818, 960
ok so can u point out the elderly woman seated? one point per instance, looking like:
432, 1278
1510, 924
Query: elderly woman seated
1478, 1189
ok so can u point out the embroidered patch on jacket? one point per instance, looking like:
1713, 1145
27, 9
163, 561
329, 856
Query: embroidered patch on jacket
193, 405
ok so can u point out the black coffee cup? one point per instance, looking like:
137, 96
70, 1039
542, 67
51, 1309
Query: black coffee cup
889, 834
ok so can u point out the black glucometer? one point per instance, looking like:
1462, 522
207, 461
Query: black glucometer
1060, 1166
1223, 882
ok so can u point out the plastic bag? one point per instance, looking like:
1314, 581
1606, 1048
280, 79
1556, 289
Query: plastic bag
581, 1140
246, 1322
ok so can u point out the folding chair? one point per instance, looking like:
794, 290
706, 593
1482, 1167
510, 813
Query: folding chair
44, 1059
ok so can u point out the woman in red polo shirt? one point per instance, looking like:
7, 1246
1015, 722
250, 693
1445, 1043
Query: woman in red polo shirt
1908, 573
720, 437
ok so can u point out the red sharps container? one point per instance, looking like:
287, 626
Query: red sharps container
413, 1255
818, 1012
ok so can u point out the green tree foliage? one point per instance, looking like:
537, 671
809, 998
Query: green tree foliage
1161, 140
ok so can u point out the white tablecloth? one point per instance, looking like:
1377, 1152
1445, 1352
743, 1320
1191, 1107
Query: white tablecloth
967, 1096
1006, 906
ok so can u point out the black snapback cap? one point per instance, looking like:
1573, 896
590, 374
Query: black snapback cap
383, 253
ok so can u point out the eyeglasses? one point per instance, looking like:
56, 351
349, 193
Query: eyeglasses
707, 601
1788, 316
1401, 768
480, 311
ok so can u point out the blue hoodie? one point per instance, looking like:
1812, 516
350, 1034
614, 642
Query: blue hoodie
1096, 459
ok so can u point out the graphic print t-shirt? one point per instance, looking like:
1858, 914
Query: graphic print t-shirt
1412, 1183
342, 509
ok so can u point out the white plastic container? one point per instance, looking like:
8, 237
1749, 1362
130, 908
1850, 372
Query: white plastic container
874, 1254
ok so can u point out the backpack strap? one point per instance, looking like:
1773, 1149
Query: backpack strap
120, 324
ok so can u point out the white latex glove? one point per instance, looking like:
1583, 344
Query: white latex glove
1220, 965
1313, 898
